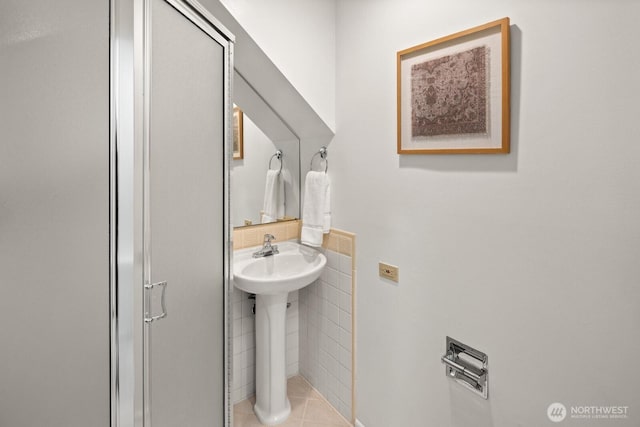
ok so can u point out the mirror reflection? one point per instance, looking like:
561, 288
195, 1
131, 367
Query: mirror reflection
265, 178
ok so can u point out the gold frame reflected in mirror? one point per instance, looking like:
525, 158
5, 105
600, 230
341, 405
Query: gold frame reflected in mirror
238, 134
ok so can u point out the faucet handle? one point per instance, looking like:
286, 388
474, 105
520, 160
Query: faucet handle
268, 238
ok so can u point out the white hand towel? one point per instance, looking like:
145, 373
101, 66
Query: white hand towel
273, 206
326, 225
316, 211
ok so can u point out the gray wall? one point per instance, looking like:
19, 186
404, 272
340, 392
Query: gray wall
531, 257
54, 224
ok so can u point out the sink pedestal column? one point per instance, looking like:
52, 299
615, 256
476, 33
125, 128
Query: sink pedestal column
272, 405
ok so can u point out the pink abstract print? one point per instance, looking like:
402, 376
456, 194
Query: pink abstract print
449, 94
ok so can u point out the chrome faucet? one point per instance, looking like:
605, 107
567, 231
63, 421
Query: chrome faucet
267, 248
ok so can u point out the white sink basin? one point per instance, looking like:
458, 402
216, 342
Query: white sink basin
295, 267
271, 278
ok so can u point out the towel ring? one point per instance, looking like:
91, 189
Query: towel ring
323, 156
278, 156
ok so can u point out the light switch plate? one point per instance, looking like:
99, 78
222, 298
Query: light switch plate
388, 271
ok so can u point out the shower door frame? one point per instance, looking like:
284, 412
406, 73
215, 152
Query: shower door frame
129, 60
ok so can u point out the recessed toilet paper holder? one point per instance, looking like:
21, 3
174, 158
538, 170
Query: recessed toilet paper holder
467, 366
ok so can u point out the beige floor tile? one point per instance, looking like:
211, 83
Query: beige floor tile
244, 407
314, 394
321, 424
298, 387
291, 422
308, 409
320, 411
246, 420
298, 405
250, 420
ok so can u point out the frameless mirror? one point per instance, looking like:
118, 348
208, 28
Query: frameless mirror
260, 135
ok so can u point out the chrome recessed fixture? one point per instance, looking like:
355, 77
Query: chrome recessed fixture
468, 366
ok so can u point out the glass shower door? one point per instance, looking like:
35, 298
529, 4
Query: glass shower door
184, 382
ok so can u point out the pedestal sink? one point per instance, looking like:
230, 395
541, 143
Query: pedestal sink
271, 278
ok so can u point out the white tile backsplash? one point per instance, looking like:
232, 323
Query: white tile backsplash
237, 327
344, 282
333, 314
345, 339
325, 332
248, 341
346, 264
332, 260
331, 276
345, 321
344, 302
248, 325
237, 345
237, 311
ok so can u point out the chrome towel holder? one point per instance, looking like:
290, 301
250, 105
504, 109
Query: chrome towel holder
278, 156
323, 156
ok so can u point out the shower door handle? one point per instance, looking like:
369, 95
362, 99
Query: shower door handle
149, 289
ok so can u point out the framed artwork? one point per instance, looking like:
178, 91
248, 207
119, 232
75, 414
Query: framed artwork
453, 93
238, 134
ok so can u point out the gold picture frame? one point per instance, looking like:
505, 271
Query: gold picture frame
453, 93
238, 134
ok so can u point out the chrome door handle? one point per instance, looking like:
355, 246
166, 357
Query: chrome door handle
149, 287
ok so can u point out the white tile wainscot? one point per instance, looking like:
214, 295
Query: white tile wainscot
326, 331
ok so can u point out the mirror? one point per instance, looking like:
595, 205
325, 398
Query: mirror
262, 134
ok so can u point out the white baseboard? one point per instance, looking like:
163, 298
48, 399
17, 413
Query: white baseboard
359, 424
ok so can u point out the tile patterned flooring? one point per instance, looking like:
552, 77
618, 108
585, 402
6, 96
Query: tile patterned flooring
308, 409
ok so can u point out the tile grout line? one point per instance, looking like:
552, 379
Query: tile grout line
324, 399
304, 411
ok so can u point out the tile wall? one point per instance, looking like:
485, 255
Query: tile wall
246, 237
326, 325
